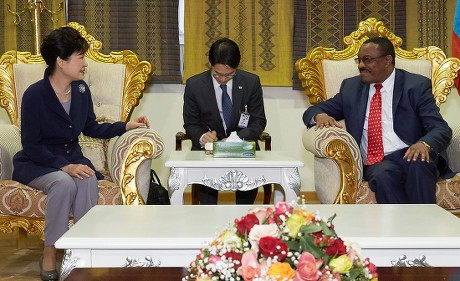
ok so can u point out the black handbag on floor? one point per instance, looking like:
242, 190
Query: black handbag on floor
158, 194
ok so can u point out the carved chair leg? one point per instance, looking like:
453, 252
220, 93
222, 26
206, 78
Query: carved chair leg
267, 193
21, 238
195, 200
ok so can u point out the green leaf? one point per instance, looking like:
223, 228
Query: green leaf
307, 244
327, 231
293, 245
310, 228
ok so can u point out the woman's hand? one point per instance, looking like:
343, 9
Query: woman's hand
79, 171
139, 122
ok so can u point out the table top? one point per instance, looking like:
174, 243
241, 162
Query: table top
190, 227
176, 274
198, 158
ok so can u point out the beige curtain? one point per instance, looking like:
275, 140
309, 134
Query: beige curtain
263, 30
19, 28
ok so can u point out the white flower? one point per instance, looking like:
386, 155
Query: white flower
261, 230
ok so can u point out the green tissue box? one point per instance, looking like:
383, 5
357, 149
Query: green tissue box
243, 149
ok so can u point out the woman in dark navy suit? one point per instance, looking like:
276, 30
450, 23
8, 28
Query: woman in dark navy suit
55, 110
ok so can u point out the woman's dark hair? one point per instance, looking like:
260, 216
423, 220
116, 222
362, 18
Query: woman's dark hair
62, 42
385, 46
225, 51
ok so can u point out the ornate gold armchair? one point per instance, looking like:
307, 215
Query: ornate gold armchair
117, 82
337, 160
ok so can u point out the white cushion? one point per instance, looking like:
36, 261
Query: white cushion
106, 82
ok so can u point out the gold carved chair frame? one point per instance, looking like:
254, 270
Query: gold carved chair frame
340, 147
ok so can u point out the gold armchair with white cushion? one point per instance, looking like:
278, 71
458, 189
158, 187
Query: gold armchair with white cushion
117, 82
338, 166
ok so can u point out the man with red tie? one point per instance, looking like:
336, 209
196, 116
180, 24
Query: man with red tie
392, 115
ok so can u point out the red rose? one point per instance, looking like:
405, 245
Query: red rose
336, 248
246, 223
270, 247
235, 257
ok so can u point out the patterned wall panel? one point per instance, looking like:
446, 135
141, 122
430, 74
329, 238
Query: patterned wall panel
148, 28
17, 24
328, 21
262, 29
432, 22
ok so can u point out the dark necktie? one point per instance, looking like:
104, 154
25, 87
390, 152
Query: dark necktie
227, 108
374, 129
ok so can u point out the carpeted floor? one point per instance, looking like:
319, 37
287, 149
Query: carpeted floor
20, 265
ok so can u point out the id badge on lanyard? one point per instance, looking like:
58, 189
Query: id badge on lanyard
244, 118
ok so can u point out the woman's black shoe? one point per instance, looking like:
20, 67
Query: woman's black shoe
51, 275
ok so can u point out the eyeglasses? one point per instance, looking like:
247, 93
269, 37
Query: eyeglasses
220, 75
367, 60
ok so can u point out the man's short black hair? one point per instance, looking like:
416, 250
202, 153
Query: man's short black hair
385, 46
225, 51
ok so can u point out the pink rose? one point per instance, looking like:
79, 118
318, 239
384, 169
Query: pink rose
371, 267
250, 267
328, 276
214, 259
307, 268
262, 230
281, 208
265, 215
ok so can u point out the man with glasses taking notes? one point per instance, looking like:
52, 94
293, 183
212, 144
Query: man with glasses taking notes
393, 117
222, 100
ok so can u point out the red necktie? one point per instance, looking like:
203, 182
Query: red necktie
374, 129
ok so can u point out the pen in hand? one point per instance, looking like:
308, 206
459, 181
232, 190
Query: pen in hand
210, 136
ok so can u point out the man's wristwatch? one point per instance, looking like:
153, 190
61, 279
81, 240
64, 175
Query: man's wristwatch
425, 144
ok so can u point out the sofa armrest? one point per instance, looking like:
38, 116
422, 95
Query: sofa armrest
130, 159
337, 164
10, 144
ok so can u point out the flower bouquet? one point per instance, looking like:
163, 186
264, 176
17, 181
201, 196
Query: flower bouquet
284, 243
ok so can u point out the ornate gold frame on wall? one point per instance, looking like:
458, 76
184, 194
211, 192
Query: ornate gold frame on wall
311, 73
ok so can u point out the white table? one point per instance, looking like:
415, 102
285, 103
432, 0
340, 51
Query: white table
171, 236
224, 174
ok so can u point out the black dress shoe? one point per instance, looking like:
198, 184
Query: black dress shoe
47, 275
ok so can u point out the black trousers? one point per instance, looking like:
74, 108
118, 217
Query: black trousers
397, 181
208, 195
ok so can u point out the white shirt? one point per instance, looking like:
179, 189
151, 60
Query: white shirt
218, 92
391, 141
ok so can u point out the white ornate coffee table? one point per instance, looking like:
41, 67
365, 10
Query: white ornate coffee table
224, 174
171, 236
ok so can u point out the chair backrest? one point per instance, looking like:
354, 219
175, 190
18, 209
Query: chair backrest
116, 80
323, 69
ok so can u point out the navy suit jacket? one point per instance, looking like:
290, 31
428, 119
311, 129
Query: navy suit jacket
415, 114
49, 135
201, 113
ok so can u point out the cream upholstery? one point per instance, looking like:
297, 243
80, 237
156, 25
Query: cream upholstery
116, 82
337, 160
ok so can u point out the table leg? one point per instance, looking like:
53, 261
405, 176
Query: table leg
176, 186
290, 181
74, 259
